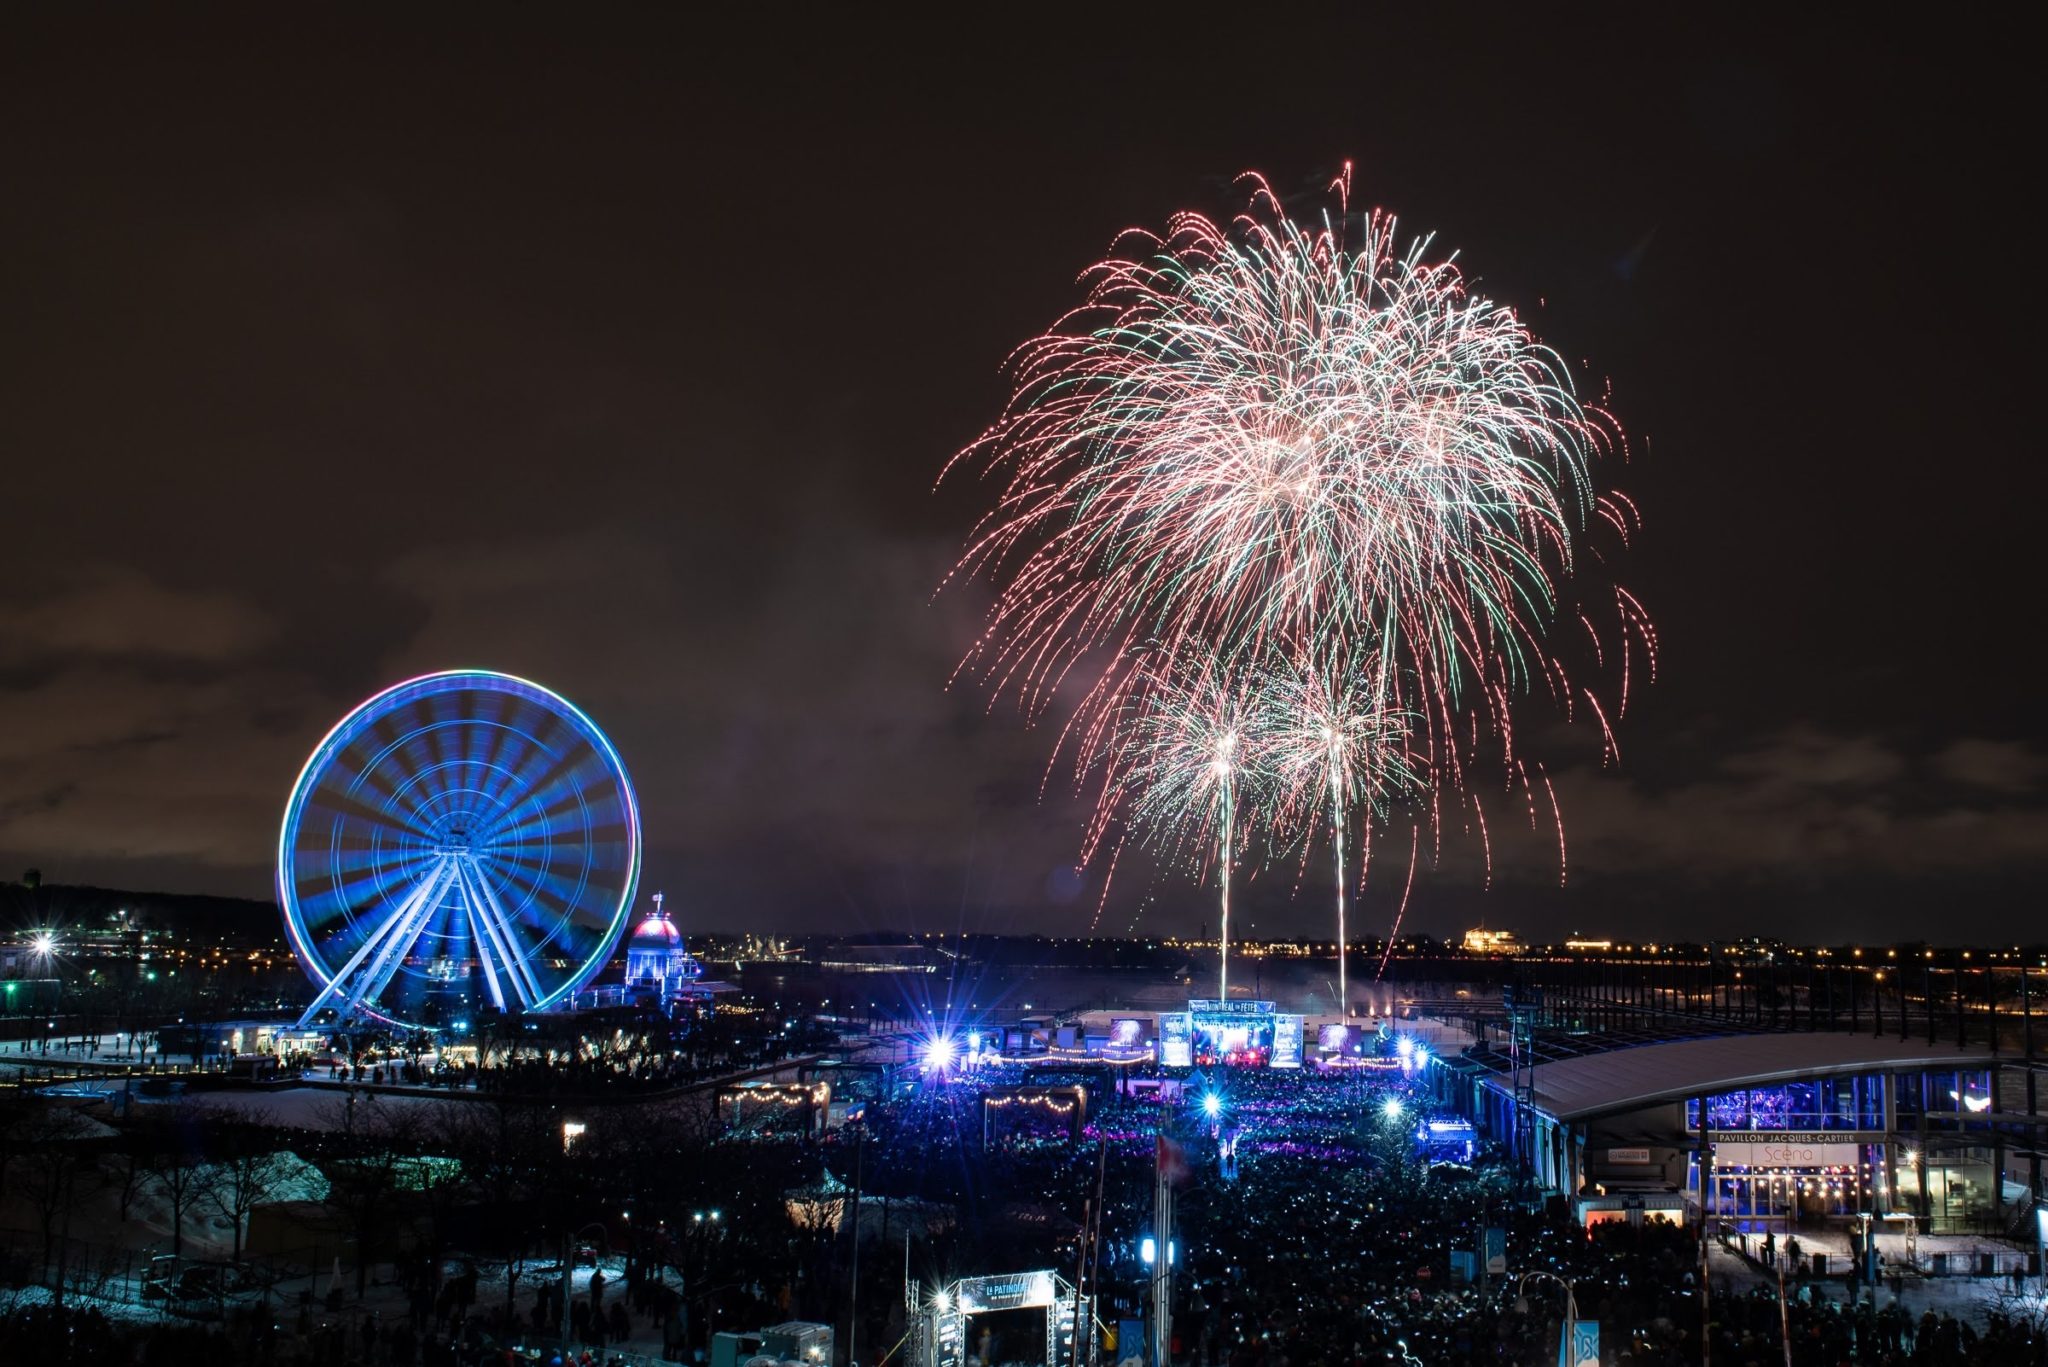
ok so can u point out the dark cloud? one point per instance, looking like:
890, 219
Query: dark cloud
103, 765
2005, 767
106, 609
1803, 800
621, 353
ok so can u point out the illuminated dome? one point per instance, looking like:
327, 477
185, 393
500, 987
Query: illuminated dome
656, 932
657, 963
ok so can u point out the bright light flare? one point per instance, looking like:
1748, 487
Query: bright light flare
1392, 1108
1212, 1105
940, 1053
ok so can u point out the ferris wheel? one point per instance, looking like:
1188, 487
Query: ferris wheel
460, 834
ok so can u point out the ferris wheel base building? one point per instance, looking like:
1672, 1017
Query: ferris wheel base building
462, 840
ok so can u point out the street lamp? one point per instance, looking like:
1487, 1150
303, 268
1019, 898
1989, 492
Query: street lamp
1571, 1304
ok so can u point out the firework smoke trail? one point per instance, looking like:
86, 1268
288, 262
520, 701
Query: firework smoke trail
1268, 438
1335, 731
1179, 762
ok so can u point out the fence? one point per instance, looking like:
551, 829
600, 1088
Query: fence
78, 1267
83, 1269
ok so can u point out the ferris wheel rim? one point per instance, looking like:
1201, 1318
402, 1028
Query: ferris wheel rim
386, 700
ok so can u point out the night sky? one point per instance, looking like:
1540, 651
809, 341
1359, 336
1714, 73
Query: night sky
622, 353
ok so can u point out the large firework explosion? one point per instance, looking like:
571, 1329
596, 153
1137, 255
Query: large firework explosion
1263, 441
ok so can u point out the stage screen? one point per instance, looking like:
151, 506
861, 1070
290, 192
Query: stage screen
1243, 1040
1346, 1040
1126, 1035
1287, 1041
1177, 1040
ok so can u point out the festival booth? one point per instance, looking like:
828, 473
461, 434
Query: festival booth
1033, 1112
1447, 1141
761, 1106
1636, 1208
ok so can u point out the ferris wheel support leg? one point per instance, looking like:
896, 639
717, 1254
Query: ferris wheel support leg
483, 956
401, 928
371, 984
484, 933
516, 966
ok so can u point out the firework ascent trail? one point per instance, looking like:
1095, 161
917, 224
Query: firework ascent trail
1274, 480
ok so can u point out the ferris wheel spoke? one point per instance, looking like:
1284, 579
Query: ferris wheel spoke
538, 837
363, 872
379, 771
548, 792
351, 811
516, 752
554, 880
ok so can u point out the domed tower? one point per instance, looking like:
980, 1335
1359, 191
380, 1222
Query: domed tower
657, 963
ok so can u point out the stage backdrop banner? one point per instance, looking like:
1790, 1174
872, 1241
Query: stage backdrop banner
1211, 1006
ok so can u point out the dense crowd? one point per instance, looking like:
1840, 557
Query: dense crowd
1330, 1240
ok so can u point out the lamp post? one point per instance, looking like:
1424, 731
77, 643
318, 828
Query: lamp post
853, 1283
1571, 1303
703, 1224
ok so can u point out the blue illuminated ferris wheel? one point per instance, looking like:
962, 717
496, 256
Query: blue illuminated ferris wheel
460, 836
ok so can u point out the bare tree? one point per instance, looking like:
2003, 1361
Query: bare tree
131, 1170
362, 1186
177, 1166
18, 1119
503, 1144
242, 1180
47, 1175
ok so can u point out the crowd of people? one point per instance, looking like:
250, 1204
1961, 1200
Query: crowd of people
1317, 1231
1314, 1229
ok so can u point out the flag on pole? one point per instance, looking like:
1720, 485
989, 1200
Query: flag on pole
1173, 1161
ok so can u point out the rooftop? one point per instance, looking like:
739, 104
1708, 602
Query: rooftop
1646, 1074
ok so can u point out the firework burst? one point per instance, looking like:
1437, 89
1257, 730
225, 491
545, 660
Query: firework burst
1265, 440
1181, 764
1336, 742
